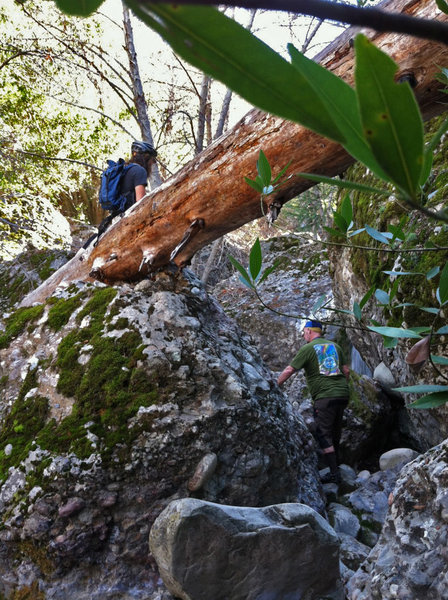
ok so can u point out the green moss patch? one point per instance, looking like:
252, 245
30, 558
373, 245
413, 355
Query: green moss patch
42, 262
107, 390
62, 310
22, 425
96, 307
13, 288
17, 322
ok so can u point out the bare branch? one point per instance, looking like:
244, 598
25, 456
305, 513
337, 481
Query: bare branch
373, 18
310, 35
89, 65
54, 158
194, 86
98, 112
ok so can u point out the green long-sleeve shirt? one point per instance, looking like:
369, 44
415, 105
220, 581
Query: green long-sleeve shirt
322, 360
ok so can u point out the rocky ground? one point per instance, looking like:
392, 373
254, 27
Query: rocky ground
116, 402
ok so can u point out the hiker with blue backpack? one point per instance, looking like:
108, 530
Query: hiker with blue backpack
136, 172
124, 183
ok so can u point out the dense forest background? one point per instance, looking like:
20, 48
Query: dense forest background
75, 92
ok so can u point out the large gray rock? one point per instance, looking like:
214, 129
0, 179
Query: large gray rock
396, 456
410, 559
282, 552
114, 402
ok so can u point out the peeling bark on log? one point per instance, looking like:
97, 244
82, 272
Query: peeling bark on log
209, 197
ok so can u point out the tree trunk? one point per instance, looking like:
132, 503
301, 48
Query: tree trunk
202, 117
209, 197
139, 97
211, 261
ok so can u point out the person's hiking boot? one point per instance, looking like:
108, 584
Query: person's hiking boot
333, 475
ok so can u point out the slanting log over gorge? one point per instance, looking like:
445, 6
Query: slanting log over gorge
209, 197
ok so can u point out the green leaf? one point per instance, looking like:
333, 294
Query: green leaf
259, 182
246, 282
390, 342
78, 8
340, 221
357, 311
255, 260
244, 274
367, 296
382, 296
430, 401
443, 285
264, 168
421, 388
422, 329
321, 301
341, 183
282, 172
347, 210
254, 184
429, 309
390, 115
340, 101
396, 273
267, 272
357, 232
442, 5
376, 235
397, 230
439, 360
220, 47
432, 273
443, 330
430, 148
331, 231
397, 332
394, 289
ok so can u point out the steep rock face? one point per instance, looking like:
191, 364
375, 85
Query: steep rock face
30, 260
410, 559
421, 249
429, 427
116, 401
300, 277
375, 420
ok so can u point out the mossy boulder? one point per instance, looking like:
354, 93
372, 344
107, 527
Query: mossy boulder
110, 399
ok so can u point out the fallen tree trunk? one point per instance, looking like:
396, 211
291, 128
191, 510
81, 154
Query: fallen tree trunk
209, 197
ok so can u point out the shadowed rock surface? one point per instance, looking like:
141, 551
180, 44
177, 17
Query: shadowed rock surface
410, 558
282, 552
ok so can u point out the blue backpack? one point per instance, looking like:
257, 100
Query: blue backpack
110, 196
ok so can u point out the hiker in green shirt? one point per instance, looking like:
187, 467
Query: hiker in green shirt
327, 376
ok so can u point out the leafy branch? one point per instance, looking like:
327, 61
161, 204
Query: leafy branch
435, 395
